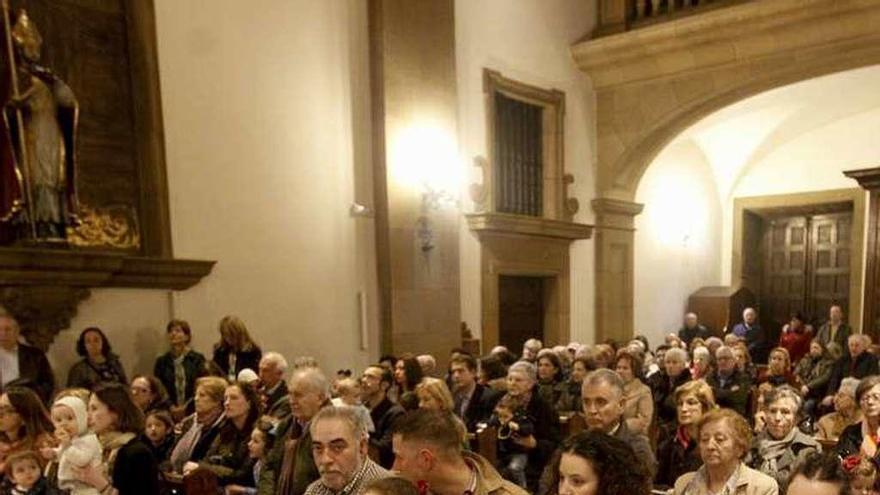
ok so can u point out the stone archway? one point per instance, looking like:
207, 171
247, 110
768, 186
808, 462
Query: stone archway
653, 83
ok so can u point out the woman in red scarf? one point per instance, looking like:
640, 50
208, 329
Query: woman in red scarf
677, 452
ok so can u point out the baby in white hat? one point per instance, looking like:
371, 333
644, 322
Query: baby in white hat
78, 447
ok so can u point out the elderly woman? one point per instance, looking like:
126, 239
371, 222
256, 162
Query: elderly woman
861, 438
521, 381
663, 384
178, 368
236, 350
551, 384
846, 412
131, 468
781, 447
593, 463
24, 423
678, 452
701, 368
638, 408
149, 394
98, 364
199, 430
227, 456
724, 438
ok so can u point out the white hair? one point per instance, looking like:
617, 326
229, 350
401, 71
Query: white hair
848, 386
314, 379
676, 352
533, 344
276, 360
529, 369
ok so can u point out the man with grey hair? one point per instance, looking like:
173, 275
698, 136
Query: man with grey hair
730, 385
289, 467
692, 329
755, 337
21, 364
603, 400
273, 390
339, 447
427, 363
530, 350
522, 377
858, 363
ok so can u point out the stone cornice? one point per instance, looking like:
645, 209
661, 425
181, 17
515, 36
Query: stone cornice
59, 267
724, 36
868, 178
523, 225
616, 207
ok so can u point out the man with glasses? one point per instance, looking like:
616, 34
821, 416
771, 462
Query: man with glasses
858, 363
375, 383
730, 386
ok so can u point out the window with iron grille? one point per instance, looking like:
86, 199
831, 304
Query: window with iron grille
518, 156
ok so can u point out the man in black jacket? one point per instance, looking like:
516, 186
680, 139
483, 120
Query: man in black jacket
273, 390
473, 402
858, 364
692, 329
21, 364
375, 383
730, 386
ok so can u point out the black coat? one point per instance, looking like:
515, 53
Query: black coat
850, 442
193, 365
734, 394
135, 471
865, 365
675, 459
688, 334
35, 372
663, 390
243, 359
384, 415
85, 374
547, 435
480, 407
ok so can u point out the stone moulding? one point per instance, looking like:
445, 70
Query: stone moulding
95, 269
518, 224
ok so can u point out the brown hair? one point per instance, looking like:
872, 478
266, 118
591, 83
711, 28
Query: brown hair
129, 417
35, 420
235, 328
435, 428
636, 363
740, 430
214, 386
701, 390
27, 455
182, 325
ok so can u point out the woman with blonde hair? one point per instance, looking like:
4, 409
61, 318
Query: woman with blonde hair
434, 395
236, 350
678, 452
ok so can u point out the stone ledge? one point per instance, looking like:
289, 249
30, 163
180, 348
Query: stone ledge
534, 226
61, 267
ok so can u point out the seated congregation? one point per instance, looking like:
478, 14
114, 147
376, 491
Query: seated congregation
694, 415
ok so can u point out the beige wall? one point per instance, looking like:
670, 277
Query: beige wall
266, 108
530, 42
677, 240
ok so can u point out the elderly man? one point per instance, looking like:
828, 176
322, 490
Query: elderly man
602, 394
730, 385
858, 363
692, 329
530, 350
289, 467
427, 450
754, 336
273, 390
473, 402
375, 383
22, 364
835, 329
339, 446
427, 363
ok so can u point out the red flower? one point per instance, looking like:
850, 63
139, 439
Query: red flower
849, 463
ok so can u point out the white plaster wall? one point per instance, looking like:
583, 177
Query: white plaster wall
812, 161
677, 239
266, 109
528, 41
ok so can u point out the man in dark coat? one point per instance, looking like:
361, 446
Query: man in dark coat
859, 363
21, 364
692, 329
473, 403
730, 386
375, 383
754, 335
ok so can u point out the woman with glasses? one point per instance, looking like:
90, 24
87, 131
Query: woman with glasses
862, 438
149, 394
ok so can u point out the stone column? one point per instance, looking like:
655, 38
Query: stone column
413, 87
614, 236
870, 180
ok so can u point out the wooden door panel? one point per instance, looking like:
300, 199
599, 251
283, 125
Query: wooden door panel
521, 310
786, 247
829, 274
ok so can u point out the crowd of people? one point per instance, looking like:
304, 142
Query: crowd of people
698, 414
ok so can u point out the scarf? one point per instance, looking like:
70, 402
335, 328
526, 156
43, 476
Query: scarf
182, 452
111, 442
771, 450
870, 439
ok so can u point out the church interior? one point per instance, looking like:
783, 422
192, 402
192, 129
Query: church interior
356, 178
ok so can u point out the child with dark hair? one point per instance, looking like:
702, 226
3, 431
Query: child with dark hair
159, 434
513, 423
23, 470
259, 446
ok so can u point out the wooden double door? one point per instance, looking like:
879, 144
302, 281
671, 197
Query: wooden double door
806, 266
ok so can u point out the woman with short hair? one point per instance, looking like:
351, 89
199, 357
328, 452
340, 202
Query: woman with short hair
593, 463
781, 447
178, 368
638, 408
98, 364
724, 438
674, 374
678, 452
119, 423
551, 383
846, 412
200, 428
149, 394
778, 371
861, 438
236, 350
